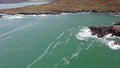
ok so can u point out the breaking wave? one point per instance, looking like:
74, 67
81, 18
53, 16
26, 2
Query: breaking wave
108, 40
19, 16
42, 15
13, 16
84, 34
17, 29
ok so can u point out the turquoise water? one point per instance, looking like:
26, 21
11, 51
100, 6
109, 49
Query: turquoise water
56, 41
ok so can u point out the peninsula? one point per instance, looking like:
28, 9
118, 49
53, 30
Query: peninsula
68, 6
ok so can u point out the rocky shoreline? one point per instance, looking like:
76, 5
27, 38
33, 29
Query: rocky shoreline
60, 12
68, 6
101, 31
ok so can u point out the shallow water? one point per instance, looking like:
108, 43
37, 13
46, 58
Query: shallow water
56, 41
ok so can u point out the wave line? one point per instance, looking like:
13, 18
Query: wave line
45, 51
20, 28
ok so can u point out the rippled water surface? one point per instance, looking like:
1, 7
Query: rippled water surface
56, 41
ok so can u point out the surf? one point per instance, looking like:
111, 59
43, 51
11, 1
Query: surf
85, 33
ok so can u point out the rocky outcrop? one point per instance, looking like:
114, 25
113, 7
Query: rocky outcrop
18, 1
102, 31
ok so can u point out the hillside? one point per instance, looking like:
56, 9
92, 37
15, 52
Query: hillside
58, 6
17, 1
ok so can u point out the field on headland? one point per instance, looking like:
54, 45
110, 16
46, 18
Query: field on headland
58, 6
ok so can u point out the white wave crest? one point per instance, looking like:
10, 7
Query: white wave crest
42, 15
13, 17
109, 41
85, 12
112, 45
84, 34
16, 17
19, 28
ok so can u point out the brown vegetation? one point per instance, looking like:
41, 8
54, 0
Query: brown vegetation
58, 6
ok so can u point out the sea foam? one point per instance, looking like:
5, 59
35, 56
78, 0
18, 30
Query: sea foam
108, 40
13, 17
84, 34
112, 45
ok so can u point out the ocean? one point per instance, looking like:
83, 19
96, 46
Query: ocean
57, 41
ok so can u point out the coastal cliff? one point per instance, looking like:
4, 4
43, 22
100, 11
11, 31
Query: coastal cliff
67, 6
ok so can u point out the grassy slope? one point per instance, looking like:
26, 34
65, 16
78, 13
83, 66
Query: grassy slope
68, 5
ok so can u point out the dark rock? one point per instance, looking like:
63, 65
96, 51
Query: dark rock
101, 31
117, 23
117, 43
116, 28
0, 16
93, 11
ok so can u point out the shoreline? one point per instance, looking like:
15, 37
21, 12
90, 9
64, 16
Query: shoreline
112, 14
67, 6
59, 13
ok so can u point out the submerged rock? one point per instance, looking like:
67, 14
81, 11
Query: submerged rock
101, 31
